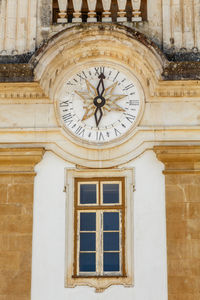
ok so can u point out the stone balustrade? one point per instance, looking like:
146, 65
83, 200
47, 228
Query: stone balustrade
76, 11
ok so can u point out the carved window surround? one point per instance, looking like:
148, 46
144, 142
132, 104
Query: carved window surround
100, 283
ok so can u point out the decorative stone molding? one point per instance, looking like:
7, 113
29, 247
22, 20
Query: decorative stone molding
79, 44
26, 91
19, 159
175, 89
179, 159
33, 93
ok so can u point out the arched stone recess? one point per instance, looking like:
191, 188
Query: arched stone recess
89, 43
85, 42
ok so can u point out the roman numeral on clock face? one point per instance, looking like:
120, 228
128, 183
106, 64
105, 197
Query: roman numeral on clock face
130, 86
67, 117
134, 102
130, 118
117, 132
80, 131
99, 70
64, 103
99, 136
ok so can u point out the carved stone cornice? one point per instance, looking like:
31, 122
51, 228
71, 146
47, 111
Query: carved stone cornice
31, 92
19, 160
177, 89
179, 159
18, 91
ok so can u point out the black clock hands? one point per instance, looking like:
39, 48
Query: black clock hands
100, 87
99, 101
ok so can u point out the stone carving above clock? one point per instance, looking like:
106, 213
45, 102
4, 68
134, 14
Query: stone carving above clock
99, 103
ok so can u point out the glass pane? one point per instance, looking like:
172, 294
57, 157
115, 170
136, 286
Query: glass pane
111, 262
88, 193
111, 241
87, 262
87, 241
111, 193
111, 221
88, 221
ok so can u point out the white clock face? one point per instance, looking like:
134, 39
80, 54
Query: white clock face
99, 104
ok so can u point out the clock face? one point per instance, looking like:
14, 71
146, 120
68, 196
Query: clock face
99, 104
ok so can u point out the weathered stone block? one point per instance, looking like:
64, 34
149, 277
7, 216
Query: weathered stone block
20, 193
21, 178
174, 193
193, 210
20, 284
193, 229
192, 193
178, 284
176, 229
184, 267
16, 224
183, 296
176, 211
3, 193
178, 249
10, 209
9, 260
15, 242
6, 178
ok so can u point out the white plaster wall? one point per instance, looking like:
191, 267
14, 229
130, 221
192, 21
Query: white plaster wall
149, 235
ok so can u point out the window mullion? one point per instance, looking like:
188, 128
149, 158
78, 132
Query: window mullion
98, 242
78, 241
101, 242
120, 240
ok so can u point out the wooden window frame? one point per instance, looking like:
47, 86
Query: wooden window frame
99, 208
100, 283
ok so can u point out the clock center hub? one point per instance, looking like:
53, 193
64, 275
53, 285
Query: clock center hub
99, 101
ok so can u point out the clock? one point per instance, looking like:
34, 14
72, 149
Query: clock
99, 103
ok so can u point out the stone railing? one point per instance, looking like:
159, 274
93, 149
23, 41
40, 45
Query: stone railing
76, 11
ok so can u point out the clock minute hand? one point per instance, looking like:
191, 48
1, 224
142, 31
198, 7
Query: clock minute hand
101, 85
99, 101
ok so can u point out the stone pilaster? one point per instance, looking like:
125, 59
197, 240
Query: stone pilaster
16, 205
182, 185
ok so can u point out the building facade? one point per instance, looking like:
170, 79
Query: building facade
99, 149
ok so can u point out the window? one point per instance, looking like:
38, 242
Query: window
99, 233
99, 227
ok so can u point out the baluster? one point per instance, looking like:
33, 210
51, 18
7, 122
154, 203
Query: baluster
121, 13
136, 4
77, 11
106, 13
62, 11
92, 12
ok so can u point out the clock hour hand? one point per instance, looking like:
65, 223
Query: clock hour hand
99, 101
98, 115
